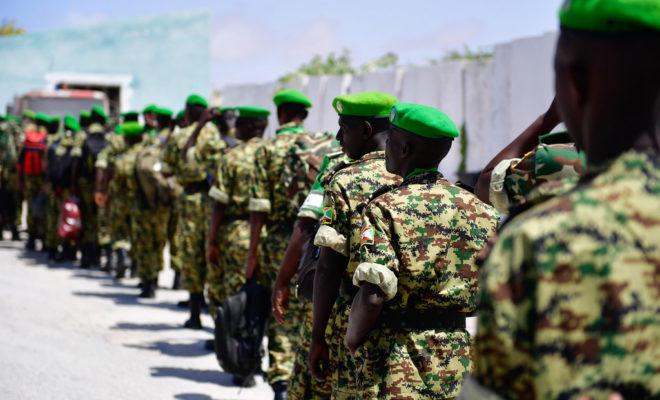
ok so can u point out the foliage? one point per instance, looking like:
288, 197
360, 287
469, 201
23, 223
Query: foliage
9, 28
467, 54
463, 142
339, 64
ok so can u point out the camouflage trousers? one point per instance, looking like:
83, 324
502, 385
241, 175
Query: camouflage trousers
428, 364
172, 217
149, 234
192, 226
55, 200
117, 226
90, 223
33, 187
282, 339
302, 385
227, 278
345, 372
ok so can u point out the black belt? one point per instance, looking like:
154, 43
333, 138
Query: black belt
411, 320
196, 187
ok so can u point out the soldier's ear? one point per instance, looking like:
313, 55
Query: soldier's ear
367, 129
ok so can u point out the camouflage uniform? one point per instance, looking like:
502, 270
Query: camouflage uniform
19, 137
33, 186
347, 191
534, 176
569, 302
232, 188
8, 156
419, 244
148, 225
302, 384
193, 173
164, 135
88, 206
270, 194
114, 223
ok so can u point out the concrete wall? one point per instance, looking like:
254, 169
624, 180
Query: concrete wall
495, 99
164, 58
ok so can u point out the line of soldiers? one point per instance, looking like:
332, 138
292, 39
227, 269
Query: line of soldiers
374, 260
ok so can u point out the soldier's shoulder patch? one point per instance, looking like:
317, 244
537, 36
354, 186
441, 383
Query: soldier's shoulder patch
328, 216
367, 235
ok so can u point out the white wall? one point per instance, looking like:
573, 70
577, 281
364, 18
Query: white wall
496, 99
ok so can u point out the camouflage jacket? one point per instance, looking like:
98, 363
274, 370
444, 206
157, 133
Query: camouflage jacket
347, 190
232, 186
569, 301
269, 191
200, 162
8, 154
514, 181
116, 145
419, 244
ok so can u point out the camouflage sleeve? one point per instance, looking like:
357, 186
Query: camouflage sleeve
169, 155
207, 150
379, 263
260, 186
505, 326
220, 189
103, 158
335, 229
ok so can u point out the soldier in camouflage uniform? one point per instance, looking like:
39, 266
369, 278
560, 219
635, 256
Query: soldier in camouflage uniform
13, 124
272, 205
113, 206
362, 134
64, 144
8, 156
32, 184
417, 275
569, 294
229, 234
192, 156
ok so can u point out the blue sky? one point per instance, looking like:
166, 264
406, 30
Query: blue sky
258, 41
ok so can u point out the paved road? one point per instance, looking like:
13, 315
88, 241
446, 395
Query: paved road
67, 333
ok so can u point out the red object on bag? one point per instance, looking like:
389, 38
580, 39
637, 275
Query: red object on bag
34, 148
69, 225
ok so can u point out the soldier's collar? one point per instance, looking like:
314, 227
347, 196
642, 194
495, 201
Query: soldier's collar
291, 127
420, 171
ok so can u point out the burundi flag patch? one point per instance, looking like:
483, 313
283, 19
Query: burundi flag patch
328, 216
367, 236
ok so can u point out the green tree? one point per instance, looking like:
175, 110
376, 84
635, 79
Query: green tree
9, 28
339, 64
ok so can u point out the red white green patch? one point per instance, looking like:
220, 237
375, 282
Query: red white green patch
367, 236
328, 216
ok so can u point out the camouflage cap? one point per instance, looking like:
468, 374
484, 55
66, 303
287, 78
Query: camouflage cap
367, 104
196, 100
291, 96
423, 121
252, 112
71, 123
610, 15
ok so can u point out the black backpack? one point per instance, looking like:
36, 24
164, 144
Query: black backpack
60, 167
239, 330
93, 145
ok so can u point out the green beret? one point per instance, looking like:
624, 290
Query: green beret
54, 120
29, 114
41, 117
252, 112
151, 108
162, 111
13, 118
99, 111
71, 123
222, 110
423, 121
610, 15
291, 96
196, 100
368, 104
180, 115
131, 128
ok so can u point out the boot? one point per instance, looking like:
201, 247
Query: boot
148, 289
194, 322
184, 303
94, 256
107, 252
209, 345
70, 252
59, 255
177, 281
121, 264
52, 254
280, 388
244, 382
30, 245
85, 256
14, 233
133, 269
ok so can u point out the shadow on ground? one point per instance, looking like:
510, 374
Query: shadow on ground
130, 326
175, 349
127, 299
192, 396
213, 376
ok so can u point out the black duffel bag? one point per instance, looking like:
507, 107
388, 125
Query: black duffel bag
239, 330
